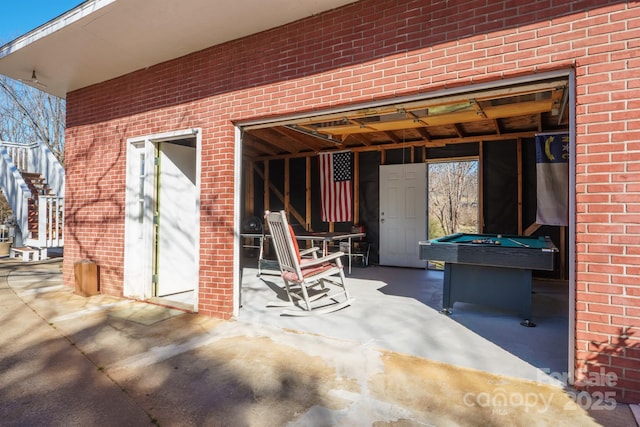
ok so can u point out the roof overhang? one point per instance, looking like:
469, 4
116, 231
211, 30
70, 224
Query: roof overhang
103, 39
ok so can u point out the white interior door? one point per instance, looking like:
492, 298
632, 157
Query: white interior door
403, 214
176, 228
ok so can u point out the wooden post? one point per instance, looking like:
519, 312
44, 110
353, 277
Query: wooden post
519, 166
249, 194
563, 253
266, 185
307, 190
356, 188
287, 185
480, 189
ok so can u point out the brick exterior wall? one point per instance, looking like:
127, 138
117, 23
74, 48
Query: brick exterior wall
373, 50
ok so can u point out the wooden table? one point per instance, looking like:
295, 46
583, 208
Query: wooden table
324, 237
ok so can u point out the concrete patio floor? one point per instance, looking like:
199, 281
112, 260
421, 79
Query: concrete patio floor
397, 309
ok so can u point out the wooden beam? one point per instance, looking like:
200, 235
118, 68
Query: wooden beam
480, 187
472, 114
424, 134
496, 125
478, 108
485, 138
356, 188
287, 185
268, 186
358, 138
251, 153
299, 138
519, 167
486, 95
459, 130
307, 190
420, 143
249, 193
274, 138
414, 117
563, 253
539, 118
556, 100
531, 229
392, 136
258, 144
265, 180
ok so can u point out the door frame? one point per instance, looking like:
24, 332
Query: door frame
139, 237
476, 159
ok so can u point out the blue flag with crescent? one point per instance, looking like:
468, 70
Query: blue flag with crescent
552, 173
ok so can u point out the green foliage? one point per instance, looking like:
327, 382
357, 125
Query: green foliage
435, 228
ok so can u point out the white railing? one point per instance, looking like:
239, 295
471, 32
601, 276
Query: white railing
50, 222
16, 192
36, 158
22, 154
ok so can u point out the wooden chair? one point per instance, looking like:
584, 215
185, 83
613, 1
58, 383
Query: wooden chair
314, 285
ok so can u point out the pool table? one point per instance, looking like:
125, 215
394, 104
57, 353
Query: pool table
490, 269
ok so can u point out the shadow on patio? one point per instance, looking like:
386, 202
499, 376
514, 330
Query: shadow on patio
397, 309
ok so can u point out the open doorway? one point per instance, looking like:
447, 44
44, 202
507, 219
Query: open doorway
452, 199
174, 262
162, 219
491, 127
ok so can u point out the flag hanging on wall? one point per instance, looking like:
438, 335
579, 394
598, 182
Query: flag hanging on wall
552, 170
335, 186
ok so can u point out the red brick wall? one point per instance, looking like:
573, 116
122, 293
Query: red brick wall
373, 50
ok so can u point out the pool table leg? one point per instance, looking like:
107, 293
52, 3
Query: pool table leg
446, 291
447, 304
506, 288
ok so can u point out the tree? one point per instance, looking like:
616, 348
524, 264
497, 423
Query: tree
28, 115
453, 189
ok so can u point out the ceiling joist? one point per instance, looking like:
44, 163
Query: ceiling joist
503, 113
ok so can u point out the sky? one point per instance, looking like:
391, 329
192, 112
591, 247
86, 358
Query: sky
18, 17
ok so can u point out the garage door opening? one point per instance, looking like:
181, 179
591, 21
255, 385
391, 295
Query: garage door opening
491, 126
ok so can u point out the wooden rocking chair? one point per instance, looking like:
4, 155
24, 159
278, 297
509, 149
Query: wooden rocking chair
308, 281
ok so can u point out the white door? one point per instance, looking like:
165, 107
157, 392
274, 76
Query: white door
403, 214
138, 229
176, 227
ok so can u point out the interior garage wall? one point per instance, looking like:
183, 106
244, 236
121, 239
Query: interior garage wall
500, 188
370, 200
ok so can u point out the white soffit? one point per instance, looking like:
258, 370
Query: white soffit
103, 39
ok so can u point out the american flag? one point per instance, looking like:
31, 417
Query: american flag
335, 186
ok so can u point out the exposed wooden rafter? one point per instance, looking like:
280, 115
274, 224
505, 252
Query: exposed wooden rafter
493, 114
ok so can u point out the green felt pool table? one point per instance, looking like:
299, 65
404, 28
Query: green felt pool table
490, 269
